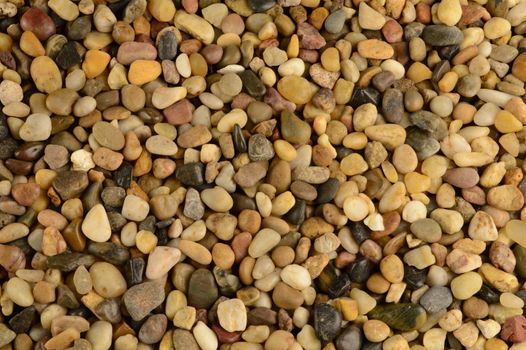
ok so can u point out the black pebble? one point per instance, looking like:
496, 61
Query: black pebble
414, 277
360, 270
327, 322
68, 56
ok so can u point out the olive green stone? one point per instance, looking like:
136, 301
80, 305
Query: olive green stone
293, 129
404, 317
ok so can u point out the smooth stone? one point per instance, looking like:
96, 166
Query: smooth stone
37, 127
202, 289
327, 322
22, 321
68, 56
190, 174
109, 310
327, 191
153, 329
293, 129
365, 95
261, 5
38, 22
436, 299
167, 46
404, 316
442, 35
393, 105
252, 84
184, 340
110, 252
360, 270
141, 299
422, 142
260, 148
430, 122
96, 225
69, 261
351, 338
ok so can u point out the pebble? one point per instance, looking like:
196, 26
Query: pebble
232, 315
96, 225
404, 317
327, 322
142, 298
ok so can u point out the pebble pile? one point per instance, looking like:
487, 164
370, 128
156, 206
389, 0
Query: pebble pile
262, 174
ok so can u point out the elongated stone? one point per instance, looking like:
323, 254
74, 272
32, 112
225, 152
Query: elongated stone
404, 317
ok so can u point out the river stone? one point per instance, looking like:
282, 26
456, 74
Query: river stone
260, 148
422, 142
69, 261
350, 339
442, 35
261, 5
393, 105
252, 84
167, 47
436, 299
184, 340
6, 335
141, 299
327, 322
293, 129
202, 289
404, 316
430, 122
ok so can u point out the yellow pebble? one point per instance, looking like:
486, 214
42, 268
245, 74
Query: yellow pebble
95, 61
416, 182
353, 164
145, 241
419, 72
5, 42
285, 150
162, 10
448, 82
330, 59
143, 71
293, 49
505, 122
30, 44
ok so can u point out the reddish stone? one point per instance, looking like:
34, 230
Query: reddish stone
131, 51
212, 53
190, 46
309, 56
474, 195
7, 59
268, 43
19, 167
191, 6
144, 39
240, 245
344, 259
242, 101
12, 258
391, 222
514, 329
423, 13
25, 194
472, 13
225, 337
309, 37
392, 31
38, 22
277, 102
179, 113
